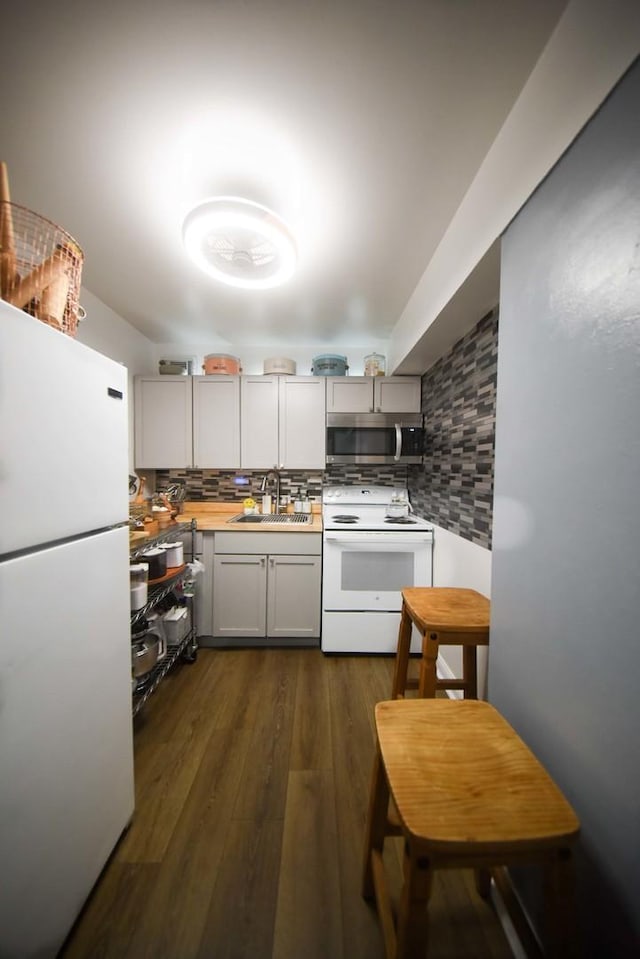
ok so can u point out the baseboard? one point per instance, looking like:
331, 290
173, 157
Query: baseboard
513, 917
253, 642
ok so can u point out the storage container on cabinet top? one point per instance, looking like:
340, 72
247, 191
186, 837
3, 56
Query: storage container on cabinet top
374, 364
329, 364
221, 363
280, 364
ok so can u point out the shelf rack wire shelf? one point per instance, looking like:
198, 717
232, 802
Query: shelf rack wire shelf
188, 646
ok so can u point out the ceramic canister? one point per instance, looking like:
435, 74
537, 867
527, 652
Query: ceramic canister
221, 363
329, 364
174, 553
138, 576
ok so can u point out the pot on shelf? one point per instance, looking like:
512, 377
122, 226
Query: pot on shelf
157, 560
145, 651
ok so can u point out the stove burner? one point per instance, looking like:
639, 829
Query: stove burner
401, 520
345, 518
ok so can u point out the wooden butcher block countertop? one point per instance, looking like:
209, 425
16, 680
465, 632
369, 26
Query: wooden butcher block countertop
214, 516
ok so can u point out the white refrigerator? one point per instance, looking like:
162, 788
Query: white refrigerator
66, 742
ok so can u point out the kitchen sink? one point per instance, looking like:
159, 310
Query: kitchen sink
273, 519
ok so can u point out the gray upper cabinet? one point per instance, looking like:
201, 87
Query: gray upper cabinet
162, 422
373, 394
230, 422
216, 422
282, 422
302, 422
259, 422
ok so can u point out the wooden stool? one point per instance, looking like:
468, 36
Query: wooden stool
469, 793
445, 616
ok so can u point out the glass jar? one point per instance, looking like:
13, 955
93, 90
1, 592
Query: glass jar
374, 364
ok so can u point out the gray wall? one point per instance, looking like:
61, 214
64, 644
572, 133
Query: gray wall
565, 637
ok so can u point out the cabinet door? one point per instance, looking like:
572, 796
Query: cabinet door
349, 394
239, 595
302, 422
293, 596
397, 394
163, 434
216, 422
259, 422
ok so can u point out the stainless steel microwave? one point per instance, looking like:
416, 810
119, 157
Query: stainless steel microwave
374, 438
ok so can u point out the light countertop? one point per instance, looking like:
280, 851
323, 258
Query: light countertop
213, 516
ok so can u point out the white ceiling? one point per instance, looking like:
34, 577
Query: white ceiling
361, 121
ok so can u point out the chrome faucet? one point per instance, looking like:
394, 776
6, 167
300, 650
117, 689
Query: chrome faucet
263, 487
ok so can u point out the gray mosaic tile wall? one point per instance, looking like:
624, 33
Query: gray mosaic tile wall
224, 485
454, 486
365, 475
221, 484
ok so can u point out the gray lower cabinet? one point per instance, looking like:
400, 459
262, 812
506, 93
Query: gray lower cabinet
266, 587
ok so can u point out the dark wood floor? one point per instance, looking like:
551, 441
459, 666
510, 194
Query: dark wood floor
252, 780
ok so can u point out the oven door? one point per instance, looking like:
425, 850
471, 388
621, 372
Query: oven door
368, 570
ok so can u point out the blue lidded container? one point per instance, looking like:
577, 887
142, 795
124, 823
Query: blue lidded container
329, 364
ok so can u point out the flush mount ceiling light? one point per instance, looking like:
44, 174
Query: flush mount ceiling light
240, 242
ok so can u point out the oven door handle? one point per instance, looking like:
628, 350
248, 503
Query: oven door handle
398, 452
383, 536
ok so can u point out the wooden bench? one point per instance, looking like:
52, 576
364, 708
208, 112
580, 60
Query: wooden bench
468, 793
444, 616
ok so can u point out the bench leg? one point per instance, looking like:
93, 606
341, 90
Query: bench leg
428, 676
470, 671
482, 878
559, 893
402, 655
376, 823
413, 915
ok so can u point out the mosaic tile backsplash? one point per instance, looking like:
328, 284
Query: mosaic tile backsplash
454, 486
222, 484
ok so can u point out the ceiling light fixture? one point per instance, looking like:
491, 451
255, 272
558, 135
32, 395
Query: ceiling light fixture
240, 242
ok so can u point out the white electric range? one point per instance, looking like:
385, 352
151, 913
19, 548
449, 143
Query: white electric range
373, 547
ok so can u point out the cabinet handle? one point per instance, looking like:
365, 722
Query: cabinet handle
262, 561
272, 561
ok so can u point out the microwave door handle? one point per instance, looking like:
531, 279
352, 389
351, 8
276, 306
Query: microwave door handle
398, 452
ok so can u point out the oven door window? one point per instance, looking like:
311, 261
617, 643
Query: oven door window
371, 571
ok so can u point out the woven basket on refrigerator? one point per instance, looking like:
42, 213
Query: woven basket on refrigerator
43, 274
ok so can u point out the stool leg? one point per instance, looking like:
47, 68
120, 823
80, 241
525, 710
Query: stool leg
402, 655
559, 891
376, 823
470, 671
428, 676
482, 877
413, 915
